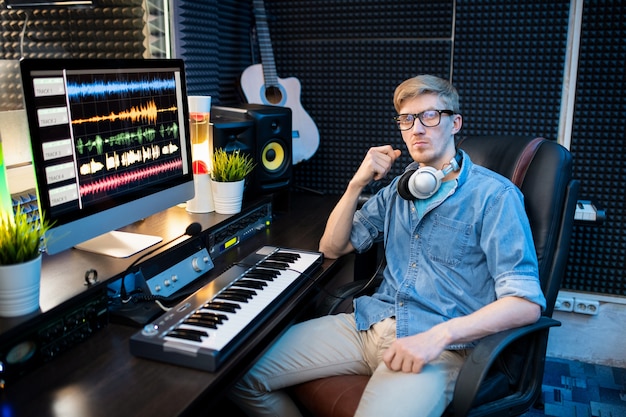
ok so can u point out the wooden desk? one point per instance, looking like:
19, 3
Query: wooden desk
101, 378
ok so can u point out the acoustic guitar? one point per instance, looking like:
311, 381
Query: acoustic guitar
261, 85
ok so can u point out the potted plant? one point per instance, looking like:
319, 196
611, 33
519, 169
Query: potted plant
21, 241
228, 173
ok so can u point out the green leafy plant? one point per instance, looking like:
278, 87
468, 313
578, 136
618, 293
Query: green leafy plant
231, 166
21, 240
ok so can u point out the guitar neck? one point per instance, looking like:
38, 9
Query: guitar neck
265, 44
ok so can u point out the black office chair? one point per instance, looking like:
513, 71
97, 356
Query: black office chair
503, 375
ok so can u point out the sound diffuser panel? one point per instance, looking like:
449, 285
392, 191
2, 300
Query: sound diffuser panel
508, 66
349, 57
597, 260
213, 38
113, 29
195, 23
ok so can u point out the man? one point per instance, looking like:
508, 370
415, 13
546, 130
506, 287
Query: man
460, 265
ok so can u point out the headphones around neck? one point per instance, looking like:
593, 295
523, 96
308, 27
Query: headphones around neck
422, 183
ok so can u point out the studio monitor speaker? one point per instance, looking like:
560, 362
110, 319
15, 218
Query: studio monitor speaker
265, 132
232, 130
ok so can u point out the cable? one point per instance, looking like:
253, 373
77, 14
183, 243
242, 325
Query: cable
22, 33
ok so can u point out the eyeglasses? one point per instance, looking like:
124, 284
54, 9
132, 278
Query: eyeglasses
428, 118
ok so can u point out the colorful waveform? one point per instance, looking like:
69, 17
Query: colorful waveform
91, 167
128, 158
114, 160
125, 139
169, 149
105, 88
135, 177
171, 130
145, 113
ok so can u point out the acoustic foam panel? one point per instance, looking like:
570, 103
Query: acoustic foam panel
597, 261
349, 56
113, 29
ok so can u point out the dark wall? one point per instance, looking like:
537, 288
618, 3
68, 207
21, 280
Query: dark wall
113, 29
598, 257
506, 58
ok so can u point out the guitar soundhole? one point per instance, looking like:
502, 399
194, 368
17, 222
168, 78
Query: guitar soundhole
273, 95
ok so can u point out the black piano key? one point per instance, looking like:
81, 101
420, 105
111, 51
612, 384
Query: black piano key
188, 334
275, 265
230, 296
222, 306
197, 321
251, 283
261, 273
210, 316
288, 257
241, 291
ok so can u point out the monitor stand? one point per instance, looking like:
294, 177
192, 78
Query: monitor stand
119, 244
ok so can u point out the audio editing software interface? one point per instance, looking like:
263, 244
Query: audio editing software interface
106, 134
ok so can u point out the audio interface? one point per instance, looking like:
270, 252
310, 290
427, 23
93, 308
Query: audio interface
240, 227
169, 272
42, 339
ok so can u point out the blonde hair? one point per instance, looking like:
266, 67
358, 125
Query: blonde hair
427, 84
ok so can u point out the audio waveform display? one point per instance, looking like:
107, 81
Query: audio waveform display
129, 179
126, 130
147, 113
91, 167
106, 87
126, 138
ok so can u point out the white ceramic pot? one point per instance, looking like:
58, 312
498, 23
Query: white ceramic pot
19, 288
227, 196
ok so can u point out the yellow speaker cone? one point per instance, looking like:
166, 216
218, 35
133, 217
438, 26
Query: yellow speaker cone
273, 156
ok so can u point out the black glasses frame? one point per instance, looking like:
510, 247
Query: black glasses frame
419, 117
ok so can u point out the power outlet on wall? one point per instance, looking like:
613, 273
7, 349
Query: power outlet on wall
577, 305
586, 306
564, 304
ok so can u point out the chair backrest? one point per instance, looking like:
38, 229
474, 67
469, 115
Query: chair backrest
542, 169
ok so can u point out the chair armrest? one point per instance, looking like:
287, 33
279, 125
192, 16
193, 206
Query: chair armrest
334, 298
476, 366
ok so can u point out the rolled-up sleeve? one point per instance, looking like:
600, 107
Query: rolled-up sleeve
363, 233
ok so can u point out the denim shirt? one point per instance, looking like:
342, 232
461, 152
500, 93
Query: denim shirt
470, 245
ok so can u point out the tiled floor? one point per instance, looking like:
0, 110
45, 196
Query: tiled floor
577, 389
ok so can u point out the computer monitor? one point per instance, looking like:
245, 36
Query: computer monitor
110, 147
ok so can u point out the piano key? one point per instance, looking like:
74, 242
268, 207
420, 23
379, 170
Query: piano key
241, 291
229, 296
209, 317
189, 334
222, 306
251, 283
197, 321
284, 257
261, 273
275, 265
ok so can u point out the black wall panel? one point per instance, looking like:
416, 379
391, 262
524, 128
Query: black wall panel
214, 41
111, 29
506, 59
349, 56
598, 257
508, 65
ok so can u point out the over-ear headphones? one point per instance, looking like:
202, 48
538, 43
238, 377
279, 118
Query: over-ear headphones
423, 182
